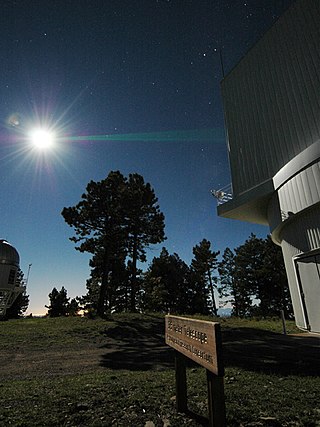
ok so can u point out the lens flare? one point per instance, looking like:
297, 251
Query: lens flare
42, 139
164, 136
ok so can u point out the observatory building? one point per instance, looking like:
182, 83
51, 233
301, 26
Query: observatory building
272, 114
9, 265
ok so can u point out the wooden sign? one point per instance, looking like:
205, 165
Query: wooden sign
197, 339
200, 341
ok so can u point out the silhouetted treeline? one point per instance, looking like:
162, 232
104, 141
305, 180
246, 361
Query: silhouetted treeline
252, 279
118, 218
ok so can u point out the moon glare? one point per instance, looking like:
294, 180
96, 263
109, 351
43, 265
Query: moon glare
42, 139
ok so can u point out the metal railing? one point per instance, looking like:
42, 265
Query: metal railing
9, 295
223, 195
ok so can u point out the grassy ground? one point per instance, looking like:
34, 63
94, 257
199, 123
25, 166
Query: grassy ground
80, 372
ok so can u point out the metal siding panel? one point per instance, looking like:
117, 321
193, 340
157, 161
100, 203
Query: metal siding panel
294, 83
272, 98
264, 149
276, 133
252, 135
292, 205
289, 252
283, 200
315, 188
300, 235
312, 237
310, 283
287, 103
298, 193
309, 49
246, 133
310, 186
303, 232
301, 193
230, 99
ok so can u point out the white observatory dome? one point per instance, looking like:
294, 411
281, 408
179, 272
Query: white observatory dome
8, 254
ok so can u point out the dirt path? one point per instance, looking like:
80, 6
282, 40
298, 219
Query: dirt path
31, 364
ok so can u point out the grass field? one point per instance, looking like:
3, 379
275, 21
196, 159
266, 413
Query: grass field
81, 372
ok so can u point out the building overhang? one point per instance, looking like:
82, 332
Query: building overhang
250, 206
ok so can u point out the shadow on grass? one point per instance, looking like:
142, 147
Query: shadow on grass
140, 346
137, 346
271, 353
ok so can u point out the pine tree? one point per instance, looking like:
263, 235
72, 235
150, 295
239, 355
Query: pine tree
59, 303
254, 280
165, 285
249, 262
89, 302
144, 225
273, 290
204, 264
228, 289
98, 221
73, 307
116, 218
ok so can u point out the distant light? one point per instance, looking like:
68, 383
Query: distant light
42, 139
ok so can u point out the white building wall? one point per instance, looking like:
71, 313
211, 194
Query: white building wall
271, 98
301, 191
301, 236
272, 111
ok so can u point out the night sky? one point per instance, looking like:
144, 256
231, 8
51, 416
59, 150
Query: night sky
147, 72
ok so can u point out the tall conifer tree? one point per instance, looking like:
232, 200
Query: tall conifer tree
204, 265
144, 225
98, 221
116, 218
165, 285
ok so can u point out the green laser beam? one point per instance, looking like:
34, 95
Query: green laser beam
166, 136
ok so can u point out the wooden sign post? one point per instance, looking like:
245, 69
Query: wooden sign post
200, 341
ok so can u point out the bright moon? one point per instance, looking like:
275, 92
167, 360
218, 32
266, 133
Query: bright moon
42, 139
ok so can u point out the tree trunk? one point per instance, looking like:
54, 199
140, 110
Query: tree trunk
104, 286
214, 306
134, 276
126, 297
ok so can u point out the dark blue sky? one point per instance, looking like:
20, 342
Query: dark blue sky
117, 67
